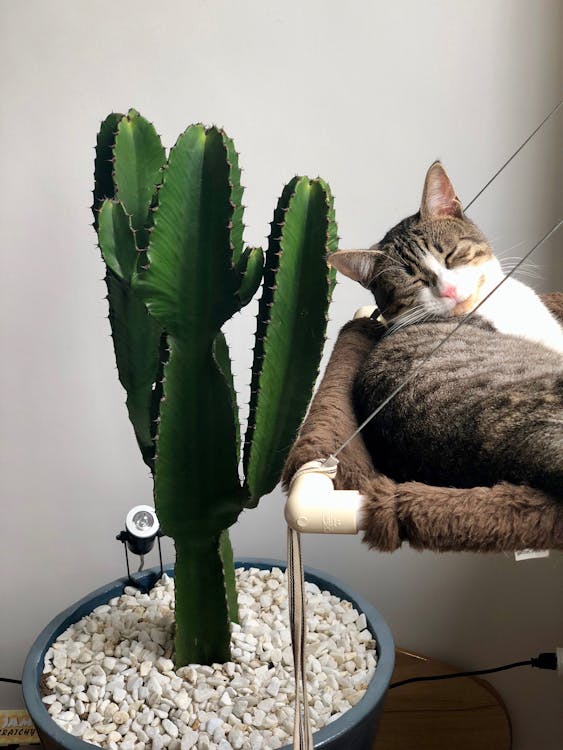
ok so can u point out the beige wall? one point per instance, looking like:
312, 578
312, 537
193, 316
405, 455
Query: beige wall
366, 94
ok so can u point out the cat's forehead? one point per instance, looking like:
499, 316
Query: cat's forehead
415, 231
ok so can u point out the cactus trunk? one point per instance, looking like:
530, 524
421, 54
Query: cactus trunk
202, 617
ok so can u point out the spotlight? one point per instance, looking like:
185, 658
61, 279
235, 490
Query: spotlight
141, 525
141, 529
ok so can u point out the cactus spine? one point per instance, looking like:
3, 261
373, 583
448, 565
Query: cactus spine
171, 235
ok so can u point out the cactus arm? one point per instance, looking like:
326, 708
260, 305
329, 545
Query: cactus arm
103, 163
135, 340
129, 157
135, 335
251, 269
290, 332
271, 264
116, 239
139, 157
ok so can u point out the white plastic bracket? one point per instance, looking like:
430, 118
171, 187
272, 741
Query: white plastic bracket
366, 311
313, 505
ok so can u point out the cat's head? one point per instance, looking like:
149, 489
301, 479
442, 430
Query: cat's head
436, 262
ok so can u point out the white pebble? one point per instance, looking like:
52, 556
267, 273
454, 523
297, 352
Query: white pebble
273, 686
55, 708
145, 668
236, 738
170, 728
182, 699
212, 724
189, 739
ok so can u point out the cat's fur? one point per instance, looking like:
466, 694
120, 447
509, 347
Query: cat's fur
487, 406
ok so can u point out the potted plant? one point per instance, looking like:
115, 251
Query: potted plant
171, 236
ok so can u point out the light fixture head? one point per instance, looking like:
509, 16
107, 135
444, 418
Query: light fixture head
141, 529
141, 522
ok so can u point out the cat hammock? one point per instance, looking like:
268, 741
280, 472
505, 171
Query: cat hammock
502, 518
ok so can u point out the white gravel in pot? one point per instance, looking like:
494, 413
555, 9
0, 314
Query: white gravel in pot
112, 682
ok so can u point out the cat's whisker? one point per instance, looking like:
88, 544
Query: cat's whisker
502, 253
411, 312
530, 274
516, 258
529, 268
413, 315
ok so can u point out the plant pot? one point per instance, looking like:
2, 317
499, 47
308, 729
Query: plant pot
354, 729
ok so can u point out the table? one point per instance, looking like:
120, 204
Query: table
465, 713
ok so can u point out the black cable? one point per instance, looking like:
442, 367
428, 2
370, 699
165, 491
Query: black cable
546, 660
9, 679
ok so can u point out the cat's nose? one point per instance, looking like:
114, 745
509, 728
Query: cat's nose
448, 291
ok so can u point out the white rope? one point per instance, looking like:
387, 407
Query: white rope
302, 734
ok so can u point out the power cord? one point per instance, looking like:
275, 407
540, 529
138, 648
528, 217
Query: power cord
547, 660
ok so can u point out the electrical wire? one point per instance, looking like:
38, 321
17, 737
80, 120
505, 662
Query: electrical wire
507, 162
546, 660
453, 675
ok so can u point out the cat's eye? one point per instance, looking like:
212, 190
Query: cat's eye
450, 256
464, 253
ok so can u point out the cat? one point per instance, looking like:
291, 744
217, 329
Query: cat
488, 406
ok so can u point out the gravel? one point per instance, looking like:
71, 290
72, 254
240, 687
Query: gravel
111, 680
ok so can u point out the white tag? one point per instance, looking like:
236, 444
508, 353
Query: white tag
528, 554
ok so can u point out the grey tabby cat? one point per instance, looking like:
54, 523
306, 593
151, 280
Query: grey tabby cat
488, 406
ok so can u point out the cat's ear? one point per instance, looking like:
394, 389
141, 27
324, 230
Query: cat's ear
358, 265
438, 198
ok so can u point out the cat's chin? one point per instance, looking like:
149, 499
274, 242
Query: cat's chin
465, 307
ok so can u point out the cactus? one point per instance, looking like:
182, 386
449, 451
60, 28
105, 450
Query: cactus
171, 236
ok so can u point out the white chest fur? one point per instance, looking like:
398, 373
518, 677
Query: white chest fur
516, 309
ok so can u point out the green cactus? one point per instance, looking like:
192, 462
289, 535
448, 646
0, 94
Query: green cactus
171, 235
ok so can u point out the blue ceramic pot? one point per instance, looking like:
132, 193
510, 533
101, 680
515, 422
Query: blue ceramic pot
354, 730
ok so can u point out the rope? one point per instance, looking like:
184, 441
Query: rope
302, 734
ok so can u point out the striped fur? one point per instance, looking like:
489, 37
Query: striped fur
486, 407
489, 405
